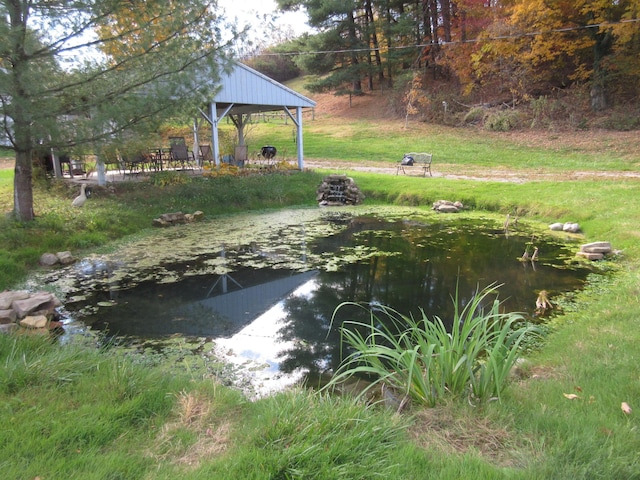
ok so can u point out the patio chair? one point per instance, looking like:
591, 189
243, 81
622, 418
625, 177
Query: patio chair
65, 161
77, 166
112, 161
181, 156
206, 154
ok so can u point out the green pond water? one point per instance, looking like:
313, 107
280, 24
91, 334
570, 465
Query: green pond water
264, 287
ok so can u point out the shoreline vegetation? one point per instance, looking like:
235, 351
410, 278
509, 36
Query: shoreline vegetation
78, 411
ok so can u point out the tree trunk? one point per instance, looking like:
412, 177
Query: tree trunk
601, 49
23, 188
435, 15
387, 34
22, 141
598, 97
356, 82
445, 6
368, 25
374, 39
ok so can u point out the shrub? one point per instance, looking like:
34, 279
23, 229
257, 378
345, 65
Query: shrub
620, 121
170, 177
502, 121
475, 115
223, 169
424, 361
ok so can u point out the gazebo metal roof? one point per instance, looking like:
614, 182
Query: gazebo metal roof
250, 91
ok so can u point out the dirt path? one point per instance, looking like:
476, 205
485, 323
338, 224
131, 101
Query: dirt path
474, 173
450, 171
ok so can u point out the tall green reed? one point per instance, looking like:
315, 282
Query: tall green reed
424, 360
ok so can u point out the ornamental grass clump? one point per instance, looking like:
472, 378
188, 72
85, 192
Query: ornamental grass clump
423, 360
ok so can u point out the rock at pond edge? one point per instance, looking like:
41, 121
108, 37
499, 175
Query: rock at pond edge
8, 297
8, 316
596, 247
37, 321
176, 218
48, 259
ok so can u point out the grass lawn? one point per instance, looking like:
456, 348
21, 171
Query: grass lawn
81, 412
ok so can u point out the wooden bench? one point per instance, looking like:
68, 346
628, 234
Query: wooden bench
420, 160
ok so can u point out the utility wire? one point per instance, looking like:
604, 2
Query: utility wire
455, 42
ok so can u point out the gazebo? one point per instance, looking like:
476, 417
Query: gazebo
240, 92
243, 91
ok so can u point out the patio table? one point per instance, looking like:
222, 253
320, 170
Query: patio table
159, 157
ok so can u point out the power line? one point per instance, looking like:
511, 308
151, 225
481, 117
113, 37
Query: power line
455, 42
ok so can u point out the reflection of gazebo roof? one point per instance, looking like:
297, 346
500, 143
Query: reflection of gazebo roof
232, 311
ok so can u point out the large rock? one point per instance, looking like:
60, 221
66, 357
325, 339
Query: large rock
40, 301
37, 321
51, 259
596, 247
556, 227
595, 250
33, 311
65, 258
8, 316
448, 209
568, 227
175, 218
447, 206
8, 297
48, 259
571, 227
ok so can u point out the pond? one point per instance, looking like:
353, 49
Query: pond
264, 287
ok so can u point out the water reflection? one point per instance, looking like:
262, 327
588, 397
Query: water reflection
278, 320
261, 346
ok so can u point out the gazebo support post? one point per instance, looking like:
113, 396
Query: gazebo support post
213, 119
297, 120
299, 139
196, 142
57, 168
214, 134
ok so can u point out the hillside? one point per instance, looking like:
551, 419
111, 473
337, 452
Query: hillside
376, 107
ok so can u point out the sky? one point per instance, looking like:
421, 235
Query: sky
247, 10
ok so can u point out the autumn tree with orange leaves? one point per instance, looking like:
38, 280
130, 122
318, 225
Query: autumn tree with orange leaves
536, 45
